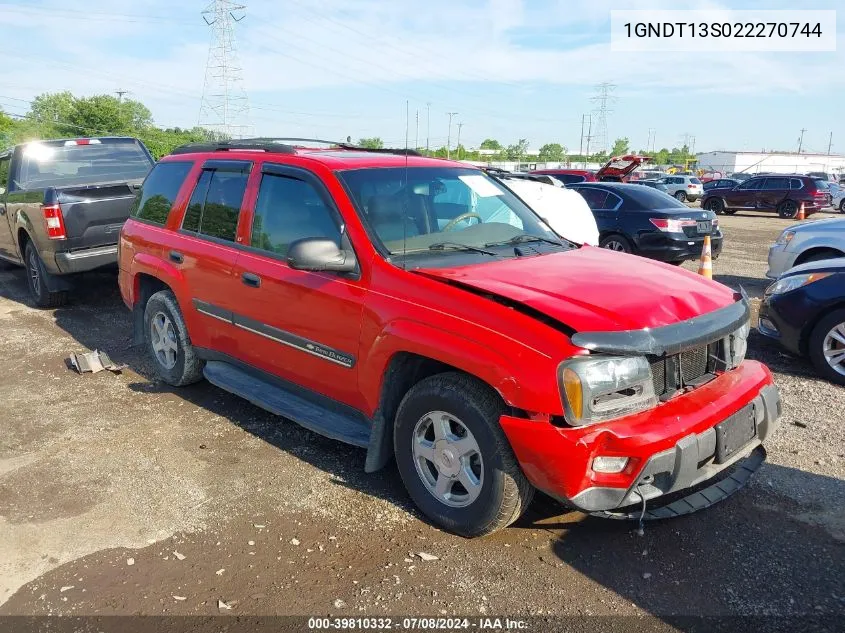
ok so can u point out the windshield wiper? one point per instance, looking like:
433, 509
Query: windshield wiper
441, 246
525, 237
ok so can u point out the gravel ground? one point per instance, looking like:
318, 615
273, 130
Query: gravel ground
120, 495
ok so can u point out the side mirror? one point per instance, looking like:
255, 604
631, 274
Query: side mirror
320, 254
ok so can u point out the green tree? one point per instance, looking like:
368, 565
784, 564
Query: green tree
491, 143
621, 146
52, 107
551, 152
516, 151
371, 143
662, 156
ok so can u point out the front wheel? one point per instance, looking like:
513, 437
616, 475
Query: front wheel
826, 346
454, 458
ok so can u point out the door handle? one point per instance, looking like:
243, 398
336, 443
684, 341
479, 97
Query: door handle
251, 279
177, 257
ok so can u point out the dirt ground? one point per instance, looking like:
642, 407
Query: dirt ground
120, 495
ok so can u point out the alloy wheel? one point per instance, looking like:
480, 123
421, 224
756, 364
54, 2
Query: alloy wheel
163, 340
615, 245
833, 348
448, 459
34, 273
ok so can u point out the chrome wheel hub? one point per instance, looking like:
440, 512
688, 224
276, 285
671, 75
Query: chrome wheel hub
163, 339
448, 459
833, 348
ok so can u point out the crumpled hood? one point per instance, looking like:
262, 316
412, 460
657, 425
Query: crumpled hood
593, 289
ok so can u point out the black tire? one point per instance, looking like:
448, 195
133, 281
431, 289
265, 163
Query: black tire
186, 368
842, 206
37, 278
617, 242
716, 205
729, 211
681, 196
788, 209
505, 493
815, 345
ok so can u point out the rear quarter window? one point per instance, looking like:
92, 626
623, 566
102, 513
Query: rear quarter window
159, 191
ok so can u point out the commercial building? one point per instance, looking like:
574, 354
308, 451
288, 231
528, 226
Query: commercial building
777, 162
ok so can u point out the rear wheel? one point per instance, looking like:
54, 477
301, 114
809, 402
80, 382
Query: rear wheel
788, 209
37, 278
681, 196
167, 341
454, 458
715, 205
842, 206
616, 242
826, 346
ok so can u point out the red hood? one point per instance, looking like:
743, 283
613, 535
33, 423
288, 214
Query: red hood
593, 289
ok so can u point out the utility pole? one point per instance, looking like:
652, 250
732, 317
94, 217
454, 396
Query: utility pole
449, 135
417, 135
458, 148
801, 139
120, 94
649, 146
225, 105
830, 144
427, 125
589, 137
581, 146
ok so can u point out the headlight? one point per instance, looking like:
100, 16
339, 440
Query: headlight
787, 284
785, 238
738, 346
598, 388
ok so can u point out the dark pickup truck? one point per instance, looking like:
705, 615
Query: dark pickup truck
62, 205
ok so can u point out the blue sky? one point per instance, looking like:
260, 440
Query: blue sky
510, 68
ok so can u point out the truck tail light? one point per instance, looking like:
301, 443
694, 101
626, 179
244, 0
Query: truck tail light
671, 226
83, 141
54, 221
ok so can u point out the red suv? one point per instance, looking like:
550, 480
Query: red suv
418, 309
617, 169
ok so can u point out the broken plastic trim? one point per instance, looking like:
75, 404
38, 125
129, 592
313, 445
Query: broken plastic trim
695, 501
670, 339
94, 362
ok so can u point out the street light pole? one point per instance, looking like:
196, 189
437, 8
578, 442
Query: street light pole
449, 135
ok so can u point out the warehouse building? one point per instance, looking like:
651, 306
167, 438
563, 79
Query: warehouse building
777, 162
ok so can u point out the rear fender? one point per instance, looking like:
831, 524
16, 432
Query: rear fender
146, 264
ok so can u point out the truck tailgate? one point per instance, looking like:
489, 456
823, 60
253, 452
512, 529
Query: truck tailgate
94, 214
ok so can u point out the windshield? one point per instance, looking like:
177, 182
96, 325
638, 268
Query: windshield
65, 163
429, 209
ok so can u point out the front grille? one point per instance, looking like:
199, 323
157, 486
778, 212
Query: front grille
671, 374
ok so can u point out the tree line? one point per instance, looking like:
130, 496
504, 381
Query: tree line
492, 150
62, 115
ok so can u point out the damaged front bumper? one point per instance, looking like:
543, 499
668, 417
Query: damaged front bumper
693, 460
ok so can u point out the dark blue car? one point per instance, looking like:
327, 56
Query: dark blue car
805, 311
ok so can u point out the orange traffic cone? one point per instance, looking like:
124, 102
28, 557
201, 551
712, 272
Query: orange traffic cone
801, 215
705, 267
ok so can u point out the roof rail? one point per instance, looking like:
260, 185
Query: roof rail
279, 146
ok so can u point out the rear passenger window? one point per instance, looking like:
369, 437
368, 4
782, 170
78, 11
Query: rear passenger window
216, 203
595, 197
159, 192
289, 209
773, 184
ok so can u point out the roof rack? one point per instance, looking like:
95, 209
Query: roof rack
280, 146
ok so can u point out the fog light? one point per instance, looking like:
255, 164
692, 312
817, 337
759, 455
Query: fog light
609, 464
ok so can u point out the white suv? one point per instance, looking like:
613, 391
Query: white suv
684, 188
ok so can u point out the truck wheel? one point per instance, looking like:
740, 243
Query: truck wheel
454, 458
167, 341
826, 346
37, 277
